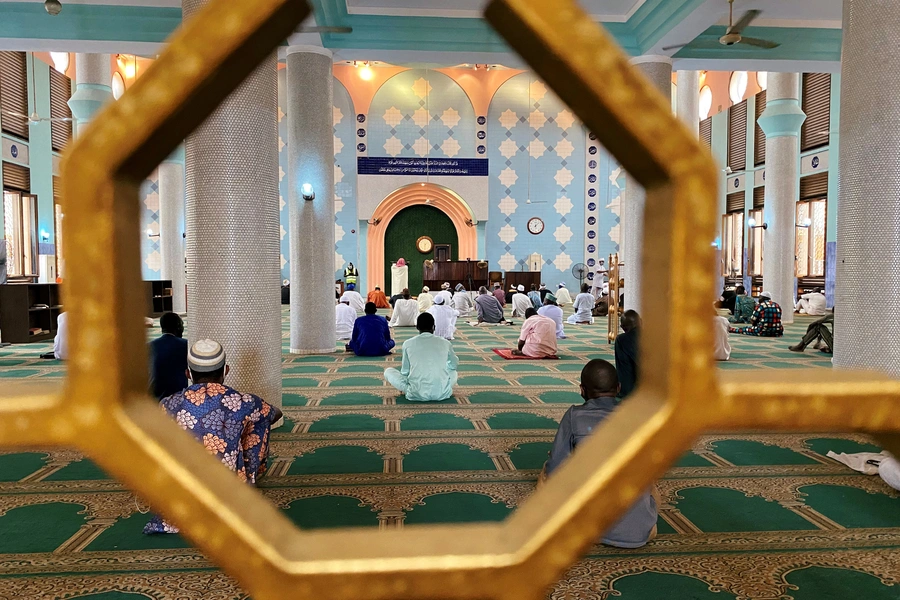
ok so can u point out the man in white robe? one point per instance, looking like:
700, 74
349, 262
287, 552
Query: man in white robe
406, 311
563, 298
355, 300
444, 318
520, 302
344, 318
445, 293
811, 304
463, 302
425, 299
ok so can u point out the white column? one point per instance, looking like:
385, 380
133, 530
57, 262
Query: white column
687, 100
310, 143
171, 229
93, 77
781, 123
658, 69
867, 285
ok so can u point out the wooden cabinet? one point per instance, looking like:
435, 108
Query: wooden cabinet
159, 297
28, 312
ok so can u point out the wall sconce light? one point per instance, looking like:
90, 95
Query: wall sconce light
150, 233
307, 191
374, 222
752, 224
470, 222
806, 224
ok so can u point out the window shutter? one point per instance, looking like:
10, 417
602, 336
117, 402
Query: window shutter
759, 197
814, 187
57, 189
706, 131
759, 146
16, 177
817, 107
14, 92
60, 92
737, 137
734, 202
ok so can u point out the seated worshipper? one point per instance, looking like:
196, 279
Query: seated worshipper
551, 310
488, 307
405, 311
520, 302
538, 336
535, 297
818, 334
601, 306
889, 471
444, 318
743, 306
393, 299
61, 341
378, 298
626, 350
446, 293
563, 298
765, 320
425, 300
355, 300
583, 305
543, 291
168, 358
811, 304
499, 295
721, 344
727, 298
428, 372
371, 334
463, 302
599, 386
344, 318
234, 427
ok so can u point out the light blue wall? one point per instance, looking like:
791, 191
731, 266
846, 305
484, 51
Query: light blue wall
40, 149
346, 225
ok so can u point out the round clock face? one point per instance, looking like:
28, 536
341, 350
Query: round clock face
424, 244
535, 225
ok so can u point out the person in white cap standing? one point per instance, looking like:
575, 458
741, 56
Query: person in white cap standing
765, 320
520, 302
232, 426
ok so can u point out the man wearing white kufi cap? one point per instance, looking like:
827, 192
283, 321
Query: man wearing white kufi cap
232, 426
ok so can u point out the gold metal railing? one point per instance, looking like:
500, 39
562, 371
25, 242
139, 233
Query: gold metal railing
103, 409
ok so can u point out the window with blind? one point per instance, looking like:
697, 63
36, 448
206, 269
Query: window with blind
706, 131
759, 142
14, 93
60, 92
759, 197
816, 105
814, 186
20, 232
737, 137
810, 240
734, 202
755, 251
733, 244
16, 177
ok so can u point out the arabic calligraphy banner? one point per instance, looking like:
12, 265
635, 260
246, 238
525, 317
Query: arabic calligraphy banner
459, 167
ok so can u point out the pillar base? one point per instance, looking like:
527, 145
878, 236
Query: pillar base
313, 351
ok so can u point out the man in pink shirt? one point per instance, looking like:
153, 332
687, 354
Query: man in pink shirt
499, 295
538, 336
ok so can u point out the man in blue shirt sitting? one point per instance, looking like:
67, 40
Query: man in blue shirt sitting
168, 358
599, 386
371, 334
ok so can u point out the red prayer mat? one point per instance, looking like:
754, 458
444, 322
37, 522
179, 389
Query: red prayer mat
507, 353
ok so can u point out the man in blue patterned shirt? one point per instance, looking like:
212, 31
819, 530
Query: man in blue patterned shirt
232, 426
765, 320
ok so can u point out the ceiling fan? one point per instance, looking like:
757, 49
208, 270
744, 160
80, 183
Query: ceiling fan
733, 33
35, 118
316, 29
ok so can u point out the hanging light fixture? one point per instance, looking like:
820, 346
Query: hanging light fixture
53, 7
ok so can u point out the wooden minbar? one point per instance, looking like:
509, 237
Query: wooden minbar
471, 273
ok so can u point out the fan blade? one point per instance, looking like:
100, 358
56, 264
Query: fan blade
744, 21
59, 120
326, 30
15, 114
667, 48
759, 43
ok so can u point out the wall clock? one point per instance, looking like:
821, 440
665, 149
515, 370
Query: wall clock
424, 244
535, 225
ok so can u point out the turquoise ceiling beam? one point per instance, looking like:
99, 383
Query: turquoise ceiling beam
88, 22
797, 43
655, 18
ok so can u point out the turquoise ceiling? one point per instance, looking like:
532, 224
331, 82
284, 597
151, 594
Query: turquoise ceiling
796, 44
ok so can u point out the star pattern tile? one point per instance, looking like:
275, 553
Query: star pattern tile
508, 234
536, 148
421, 87
508, 148
450, 118
507, 262
564, 148
450, 147
536, 119
562, 261
565, 120
421, 117
338, 144
563, 177
563, 205
563, 234
336, 113
393, 146
421, 147
393, 116
537, 90
508, 205
509, 119
508, 177
152, 201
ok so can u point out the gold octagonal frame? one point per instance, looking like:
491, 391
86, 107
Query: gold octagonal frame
518, 559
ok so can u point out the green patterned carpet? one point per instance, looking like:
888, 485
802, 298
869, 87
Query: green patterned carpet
743, 516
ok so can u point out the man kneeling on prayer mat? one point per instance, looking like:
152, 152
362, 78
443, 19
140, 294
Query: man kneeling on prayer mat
378, 298
599, 386
428, 372
583, 305
538, 336
232, 426
371, 334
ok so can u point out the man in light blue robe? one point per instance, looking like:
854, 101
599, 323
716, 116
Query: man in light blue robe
428, 372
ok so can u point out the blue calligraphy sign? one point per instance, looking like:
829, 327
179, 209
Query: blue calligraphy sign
458, 167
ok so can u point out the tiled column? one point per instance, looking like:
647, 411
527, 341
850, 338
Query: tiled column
310, 170
687, 100
93, 75
234, 275
781, 123
658, 69
171, 226
868, 242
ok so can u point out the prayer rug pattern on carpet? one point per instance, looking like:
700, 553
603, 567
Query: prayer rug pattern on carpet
752, 515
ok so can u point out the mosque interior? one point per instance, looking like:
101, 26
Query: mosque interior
389, 129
